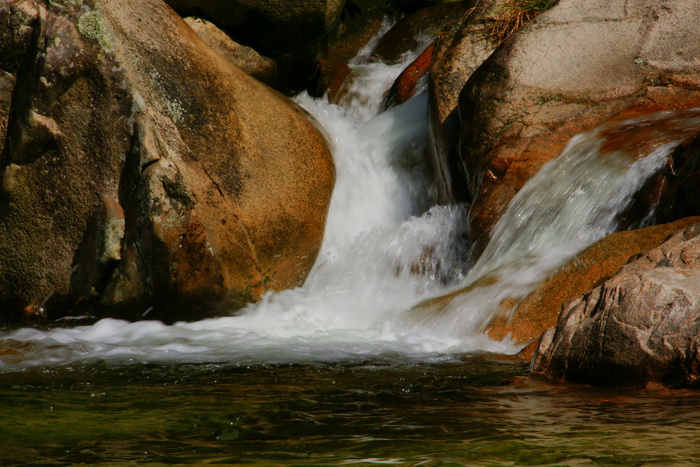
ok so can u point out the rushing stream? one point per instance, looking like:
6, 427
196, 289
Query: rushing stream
366, 362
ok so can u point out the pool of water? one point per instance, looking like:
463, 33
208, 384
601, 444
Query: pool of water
463, 410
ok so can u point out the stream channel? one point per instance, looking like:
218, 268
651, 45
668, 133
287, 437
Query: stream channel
358, 366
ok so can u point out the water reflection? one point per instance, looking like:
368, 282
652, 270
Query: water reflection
480, 410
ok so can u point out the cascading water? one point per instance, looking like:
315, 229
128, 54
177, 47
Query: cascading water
386, 256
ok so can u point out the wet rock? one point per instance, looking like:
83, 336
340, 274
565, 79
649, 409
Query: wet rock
359, 22
542, 87
406, 84
419, 29
290, 32
642, 325
639, 326
119, 105
526, 321
244, 58
459, 50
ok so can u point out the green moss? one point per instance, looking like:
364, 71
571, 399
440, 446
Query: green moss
91, 25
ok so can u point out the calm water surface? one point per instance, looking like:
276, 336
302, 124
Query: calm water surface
466, 410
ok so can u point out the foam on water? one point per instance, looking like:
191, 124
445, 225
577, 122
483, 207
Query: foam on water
385, 252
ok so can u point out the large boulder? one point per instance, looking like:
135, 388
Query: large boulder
642, 325
291, 32
572, 67
538, 312
144, 175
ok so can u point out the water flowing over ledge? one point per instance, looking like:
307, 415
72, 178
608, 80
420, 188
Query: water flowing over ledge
391, 279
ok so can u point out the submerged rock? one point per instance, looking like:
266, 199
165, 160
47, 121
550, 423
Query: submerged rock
642, 325
119, 106
572, 67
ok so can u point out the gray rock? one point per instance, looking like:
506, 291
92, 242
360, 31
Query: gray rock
567, 71
642, 325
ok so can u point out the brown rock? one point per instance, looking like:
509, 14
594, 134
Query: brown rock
639, 326
540, 310
360, 21
410, 32
541, 87
459, 50
211, 168
405, 85
244, 58
290, 32
67, 132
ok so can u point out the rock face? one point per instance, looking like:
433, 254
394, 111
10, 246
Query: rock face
540, 310
418, 28
144, 175
359, 22
244, 58
458, 52
290, 32
541, 87
642, 325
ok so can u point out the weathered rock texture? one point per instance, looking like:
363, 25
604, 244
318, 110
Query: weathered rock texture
571, 68
458, 51
143, 174
418, 28
359, 22
642, 325
290, 32
242, 57
540, 310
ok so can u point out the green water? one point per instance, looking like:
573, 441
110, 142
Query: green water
479, 411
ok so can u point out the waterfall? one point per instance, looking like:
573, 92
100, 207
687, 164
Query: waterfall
572, 202
390, 280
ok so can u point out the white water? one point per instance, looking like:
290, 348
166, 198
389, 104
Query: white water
385, 251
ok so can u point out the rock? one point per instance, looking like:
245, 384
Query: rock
67, 133
541, 87
244, 58
411, 6
458, 52
290, 32
640, 326
406, 84
120, 106
540, 310
359, 23
7, 86
418, 29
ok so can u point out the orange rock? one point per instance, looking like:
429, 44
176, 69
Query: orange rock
405, 85
540, 310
